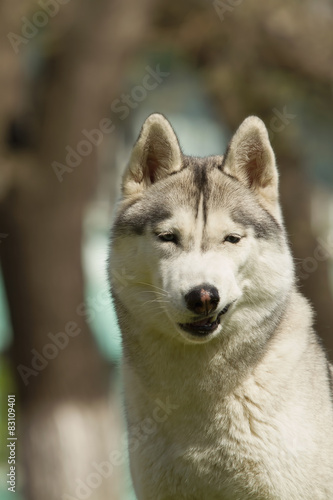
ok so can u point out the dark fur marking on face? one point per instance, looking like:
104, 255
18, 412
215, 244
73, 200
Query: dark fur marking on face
134, 220
198, 166
265, 226
201, 183
200, 176
273, 221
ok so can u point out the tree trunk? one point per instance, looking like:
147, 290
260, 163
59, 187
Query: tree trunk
69, 422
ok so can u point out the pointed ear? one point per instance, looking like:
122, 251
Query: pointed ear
250, 159
155, 155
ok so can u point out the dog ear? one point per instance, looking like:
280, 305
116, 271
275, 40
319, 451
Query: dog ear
251, 160
155, 155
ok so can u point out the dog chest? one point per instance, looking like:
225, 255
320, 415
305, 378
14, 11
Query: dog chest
236, 452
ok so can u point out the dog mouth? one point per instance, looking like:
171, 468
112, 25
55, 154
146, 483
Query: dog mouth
206, 326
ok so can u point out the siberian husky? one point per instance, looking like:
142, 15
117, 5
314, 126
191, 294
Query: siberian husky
228, 391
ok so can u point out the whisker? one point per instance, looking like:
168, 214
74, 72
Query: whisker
153, 286
154, 291
155, 301
157, 313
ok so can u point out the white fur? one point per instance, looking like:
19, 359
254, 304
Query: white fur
249, 414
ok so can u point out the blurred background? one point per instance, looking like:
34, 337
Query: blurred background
77, 80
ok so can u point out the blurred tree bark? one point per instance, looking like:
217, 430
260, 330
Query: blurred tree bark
254, 58
69, 420
265, 58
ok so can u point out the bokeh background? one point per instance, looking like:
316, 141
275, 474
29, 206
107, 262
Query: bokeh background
77, 79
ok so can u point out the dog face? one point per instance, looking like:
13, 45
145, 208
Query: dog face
199, 239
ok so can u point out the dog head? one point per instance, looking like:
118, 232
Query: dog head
199, 242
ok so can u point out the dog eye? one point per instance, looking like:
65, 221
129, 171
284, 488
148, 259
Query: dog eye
167, 237
231, 238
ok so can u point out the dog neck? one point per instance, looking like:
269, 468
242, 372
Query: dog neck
163, 366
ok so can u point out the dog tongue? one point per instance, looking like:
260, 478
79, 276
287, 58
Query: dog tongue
202, 322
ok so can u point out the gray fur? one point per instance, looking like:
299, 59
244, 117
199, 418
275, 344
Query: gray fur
197, 177
243, 412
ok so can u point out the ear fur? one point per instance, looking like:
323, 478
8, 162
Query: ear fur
251, 160
155, 155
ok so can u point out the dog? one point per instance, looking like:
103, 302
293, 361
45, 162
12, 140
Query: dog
214, 328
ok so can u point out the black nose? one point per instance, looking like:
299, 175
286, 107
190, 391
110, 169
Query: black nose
202, 299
